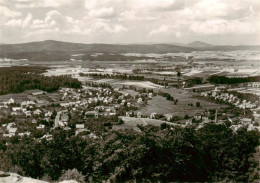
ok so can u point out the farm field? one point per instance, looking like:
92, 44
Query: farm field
26, 95
117, 82
160, 105
130, 122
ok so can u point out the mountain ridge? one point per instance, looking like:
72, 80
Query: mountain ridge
52, 50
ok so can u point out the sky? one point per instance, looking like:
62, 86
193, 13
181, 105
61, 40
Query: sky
221, 22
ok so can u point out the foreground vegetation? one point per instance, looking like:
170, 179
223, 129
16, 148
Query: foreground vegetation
212, 153
19, 79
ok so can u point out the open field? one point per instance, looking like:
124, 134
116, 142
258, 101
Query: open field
118, 82
40, 100
255, 91
131, 92
160, 105
130, 122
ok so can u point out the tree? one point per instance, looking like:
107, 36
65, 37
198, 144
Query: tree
197, 104
178, 75
73, 174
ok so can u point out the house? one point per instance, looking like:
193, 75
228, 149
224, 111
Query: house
80, 126
254, 85
14, 113
90, 114
128, 113
3, 106
168, 117
40, 127
27, 103
246, 120
140, 100
28, 113
128, 104
197, 117
78, 131
37, 92
139, 115
34, 121
92, 135
188, 122
47, 137
67, 128
205, 119
64, 104
64, 117
37, 112
10, 101
48, 114
12, 131
10, 125
153, 115
7, 135
63, 124
15, 109
23, 134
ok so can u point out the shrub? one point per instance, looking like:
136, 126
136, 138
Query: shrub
73, 174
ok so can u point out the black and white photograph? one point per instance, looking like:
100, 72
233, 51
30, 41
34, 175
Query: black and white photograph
114, 91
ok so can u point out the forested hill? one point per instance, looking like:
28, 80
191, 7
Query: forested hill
58, 46
58, 51
18, 79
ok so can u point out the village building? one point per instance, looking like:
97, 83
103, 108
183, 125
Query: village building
153, 115
37, 112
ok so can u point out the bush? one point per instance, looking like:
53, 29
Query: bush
73, 174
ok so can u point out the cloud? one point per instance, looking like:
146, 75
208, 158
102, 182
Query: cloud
219, 27
19, 22
42, 3
130, 20
102, 13
162, 29
6, 12
156, 5
108, 28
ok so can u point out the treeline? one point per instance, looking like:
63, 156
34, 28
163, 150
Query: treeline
126, 77
213, 153
101, 85
114, 76
38, 55
113, 57
19, 79
24, 69
233, 80
168, 97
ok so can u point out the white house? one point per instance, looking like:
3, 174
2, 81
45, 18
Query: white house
37, 112
80, 126
15, 109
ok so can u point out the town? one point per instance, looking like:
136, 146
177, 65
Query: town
98, 107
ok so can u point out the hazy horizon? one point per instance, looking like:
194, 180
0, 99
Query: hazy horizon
137, 43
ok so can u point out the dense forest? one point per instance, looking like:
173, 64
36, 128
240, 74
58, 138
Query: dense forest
233, 80
18, 79
115, 76
168, 154
126, 77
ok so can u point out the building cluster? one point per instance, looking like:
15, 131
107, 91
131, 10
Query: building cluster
89, 102
252, 122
